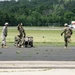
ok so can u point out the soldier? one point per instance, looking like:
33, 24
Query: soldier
22, 34
21, 30
67, 34
4, 35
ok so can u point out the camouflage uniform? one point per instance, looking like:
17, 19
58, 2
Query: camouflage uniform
67, 35
21, 35
4, 35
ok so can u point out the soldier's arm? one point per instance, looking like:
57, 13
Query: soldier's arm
24, 33
62, 32
71, 31
4, 31
18, 27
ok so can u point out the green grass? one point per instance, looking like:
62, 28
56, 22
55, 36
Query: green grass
40, 37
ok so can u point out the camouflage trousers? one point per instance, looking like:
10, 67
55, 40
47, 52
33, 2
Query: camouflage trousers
3, 40
67, 39
19, 42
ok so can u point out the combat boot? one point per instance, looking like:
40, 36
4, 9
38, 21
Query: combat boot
2, 45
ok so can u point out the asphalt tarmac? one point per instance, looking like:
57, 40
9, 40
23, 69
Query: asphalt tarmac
39, 60
38, 53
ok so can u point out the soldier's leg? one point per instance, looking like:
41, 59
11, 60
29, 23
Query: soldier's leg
22, 42
19, 42
15, 41
5, 46
66, 42
4, 42
69, 39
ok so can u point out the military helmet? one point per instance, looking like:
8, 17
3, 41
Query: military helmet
65, 24
6, 23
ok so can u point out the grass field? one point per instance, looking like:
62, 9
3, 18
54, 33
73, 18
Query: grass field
40, 36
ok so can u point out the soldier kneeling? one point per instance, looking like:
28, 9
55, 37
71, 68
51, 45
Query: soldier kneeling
18, 42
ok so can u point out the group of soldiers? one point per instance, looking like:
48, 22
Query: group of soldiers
20, 38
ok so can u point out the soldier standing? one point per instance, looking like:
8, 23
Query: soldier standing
4, 35
21, 31
67, 34
22, 34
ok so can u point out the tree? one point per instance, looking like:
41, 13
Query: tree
68, 16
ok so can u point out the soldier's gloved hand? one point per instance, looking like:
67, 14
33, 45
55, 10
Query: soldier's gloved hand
24, 36
61, 34
6, 35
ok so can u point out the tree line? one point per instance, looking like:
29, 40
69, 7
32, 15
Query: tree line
37, 12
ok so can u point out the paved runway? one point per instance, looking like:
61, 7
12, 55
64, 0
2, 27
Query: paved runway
42, 60
39, 53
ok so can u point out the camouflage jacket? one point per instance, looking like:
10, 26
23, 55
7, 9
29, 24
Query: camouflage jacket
4, 31
67, 31
21, 31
